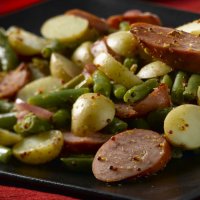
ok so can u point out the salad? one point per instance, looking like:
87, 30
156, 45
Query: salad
118, 97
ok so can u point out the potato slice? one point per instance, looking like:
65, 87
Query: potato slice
65, 28
122, 43
63, 68
192, 27
24, 42
153, 70
39, 149
90, 113
8, 138
42, 85
116, 71
182, 126
82, 55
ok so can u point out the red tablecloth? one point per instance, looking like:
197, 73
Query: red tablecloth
12, 193
188, 5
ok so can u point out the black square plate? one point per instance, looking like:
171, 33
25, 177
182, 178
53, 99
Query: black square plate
181, 178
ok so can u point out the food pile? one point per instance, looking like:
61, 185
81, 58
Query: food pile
114, 96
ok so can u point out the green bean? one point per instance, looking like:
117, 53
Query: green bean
8, 120
74, 81
178, 88
57, 98
78, 163
128, 62
166, 79
31, 124
5, 154
138, 123
115, 126
156, 118
138, 92
54, 46
5, 106
8, 58
190, 92
62, 118
119, 91
102, 83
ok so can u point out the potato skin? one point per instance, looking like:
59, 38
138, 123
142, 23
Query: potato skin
191, 27
115, 70
24, 42
63, 68
83, 145
90, 113
182, 126
42, 85
122, 43
39, 149
65, 28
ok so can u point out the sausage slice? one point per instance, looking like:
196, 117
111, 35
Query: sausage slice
133, 16
129, 154
14, 81
158, 98
94, 21
80, 145
178, 49
125, 111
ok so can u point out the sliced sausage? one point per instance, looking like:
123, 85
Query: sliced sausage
38, 111
14, 81
94, 21
80, 145
125, 111
159, 98
133, 153
133, 16
178, 49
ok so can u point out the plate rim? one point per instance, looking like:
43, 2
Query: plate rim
71, 188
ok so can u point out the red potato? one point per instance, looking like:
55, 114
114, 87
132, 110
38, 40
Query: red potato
98, 47
178, 49
94, 21
14, 81
159, 98
133, 16
130, 154
80, 145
